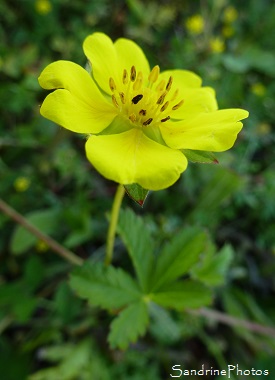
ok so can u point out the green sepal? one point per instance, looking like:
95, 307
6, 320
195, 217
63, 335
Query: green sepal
137, 193
200, 156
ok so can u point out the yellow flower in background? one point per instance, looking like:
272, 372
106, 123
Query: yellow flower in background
137, 120
41, 246
230, 14
21, 184
258, 89
217, 45
228, 31
264, 128
195, 24
43, 7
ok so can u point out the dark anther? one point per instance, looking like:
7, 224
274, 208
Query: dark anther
137, 98
167, 118
142, 112
147, 122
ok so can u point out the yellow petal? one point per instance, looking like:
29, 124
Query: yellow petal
109, 59
80, 107
130, 54
100, 51
196, 101
181, 78
214, 131
72, 113
131, 157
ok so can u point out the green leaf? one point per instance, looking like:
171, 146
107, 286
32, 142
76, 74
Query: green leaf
179, 255
182, 294
45, 220
129, 325
200, 156
163, 326
137, 193
139, 244
212, 269
104, 286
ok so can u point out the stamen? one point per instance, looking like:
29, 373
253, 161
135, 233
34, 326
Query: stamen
138, 83
167, 118
178, 105
163, 108
133, 73
169, 84
142, 112
137, 98
147, 122
122, 97
175, 95
161, 98
125, 77
133, 117
115, 101
154, 74
112, 84
161, 85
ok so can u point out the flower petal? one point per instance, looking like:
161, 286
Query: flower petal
196, 101
80, 107
100, 51
181, 78
131, 157
214, 131
130, 54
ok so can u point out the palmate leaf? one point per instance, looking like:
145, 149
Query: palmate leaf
180, 295
104, 286
139, 244
129, 325
178, 256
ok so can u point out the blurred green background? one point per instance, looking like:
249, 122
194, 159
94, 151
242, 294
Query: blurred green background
47, 333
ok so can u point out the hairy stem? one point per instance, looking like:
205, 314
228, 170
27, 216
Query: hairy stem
51, 243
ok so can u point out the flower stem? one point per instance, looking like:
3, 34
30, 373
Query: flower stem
113, 223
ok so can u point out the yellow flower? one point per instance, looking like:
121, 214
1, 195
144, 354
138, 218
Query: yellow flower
43, 7
41, 246
228, 31
195, 24
217, 45
258, 89
21, 184
137, 120
230, 14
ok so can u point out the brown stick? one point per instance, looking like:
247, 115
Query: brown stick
233, 321
53, 244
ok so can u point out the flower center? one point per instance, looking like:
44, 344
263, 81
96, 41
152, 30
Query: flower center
145, 102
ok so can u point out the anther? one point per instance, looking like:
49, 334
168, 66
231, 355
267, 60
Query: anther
122, 97
112, 84
163, 108
154, 74
178, 105
133, 117
142, 112
169, 84
133, 74
161, 85
148, 121
137, 98
175, 95
167, 118
115, 101
125, 77
161, 98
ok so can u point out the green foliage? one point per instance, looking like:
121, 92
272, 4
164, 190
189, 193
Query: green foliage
46, 328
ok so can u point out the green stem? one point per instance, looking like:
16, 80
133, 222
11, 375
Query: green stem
113, 223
